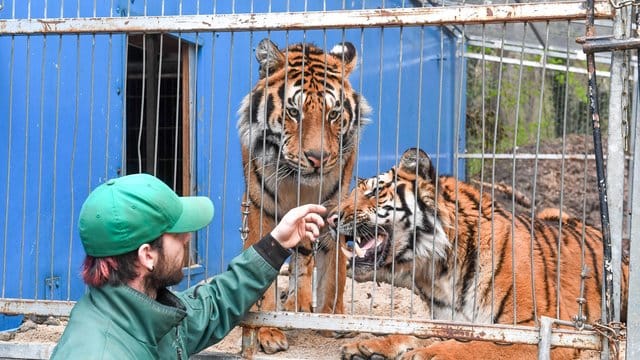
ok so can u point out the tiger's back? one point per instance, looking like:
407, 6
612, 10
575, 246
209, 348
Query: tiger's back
526, 267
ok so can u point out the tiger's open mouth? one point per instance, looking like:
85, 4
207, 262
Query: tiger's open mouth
370, 245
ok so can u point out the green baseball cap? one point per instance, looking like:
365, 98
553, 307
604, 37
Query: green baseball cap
126, 212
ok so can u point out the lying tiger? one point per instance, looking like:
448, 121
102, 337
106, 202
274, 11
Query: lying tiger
299, 128
397, 218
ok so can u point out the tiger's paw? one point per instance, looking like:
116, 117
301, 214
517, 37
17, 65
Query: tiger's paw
389, 347
303, 304
337, 334
272, 340
427, 354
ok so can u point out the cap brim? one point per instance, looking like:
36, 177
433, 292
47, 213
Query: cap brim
197, 212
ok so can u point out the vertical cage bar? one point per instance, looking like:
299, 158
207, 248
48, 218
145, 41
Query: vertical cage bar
513, 175
618, 104
8, 169
25, 169
72, 186
56, 137
535, 179
41, 123
633, 312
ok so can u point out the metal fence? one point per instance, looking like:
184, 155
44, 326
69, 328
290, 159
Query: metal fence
498, 96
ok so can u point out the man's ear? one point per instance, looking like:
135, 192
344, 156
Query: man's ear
147, 256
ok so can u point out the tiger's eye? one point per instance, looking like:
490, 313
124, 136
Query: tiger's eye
334, 114
293, 112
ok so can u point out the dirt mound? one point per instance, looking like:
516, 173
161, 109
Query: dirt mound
561, 178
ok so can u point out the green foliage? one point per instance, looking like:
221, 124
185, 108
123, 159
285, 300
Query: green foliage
543, 111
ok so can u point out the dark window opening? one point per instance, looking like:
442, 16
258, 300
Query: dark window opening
157, 112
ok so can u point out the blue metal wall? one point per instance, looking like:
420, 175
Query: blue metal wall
61, 123
60, 136
229, 69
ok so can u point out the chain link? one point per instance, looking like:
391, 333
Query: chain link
314, 277
623, 3
244, 229
614, 332
580, 318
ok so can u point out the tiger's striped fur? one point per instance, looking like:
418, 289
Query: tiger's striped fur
474, 261
299, 129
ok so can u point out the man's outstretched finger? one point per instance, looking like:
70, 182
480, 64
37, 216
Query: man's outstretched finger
313, 228
315, 218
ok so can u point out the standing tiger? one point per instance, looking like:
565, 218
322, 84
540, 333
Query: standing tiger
299, 129
461, 243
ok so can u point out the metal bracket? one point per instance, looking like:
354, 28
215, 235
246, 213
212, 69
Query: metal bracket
244, 229
52, 286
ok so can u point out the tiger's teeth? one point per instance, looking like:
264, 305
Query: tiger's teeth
378, 241
347, 253
358, 250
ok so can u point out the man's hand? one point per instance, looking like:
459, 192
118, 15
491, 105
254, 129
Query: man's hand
303, 222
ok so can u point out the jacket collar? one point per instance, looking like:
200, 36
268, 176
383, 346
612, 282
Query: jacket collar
140, 316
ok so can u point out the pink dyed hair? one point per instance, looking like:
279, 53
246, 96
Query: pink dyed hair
96, 272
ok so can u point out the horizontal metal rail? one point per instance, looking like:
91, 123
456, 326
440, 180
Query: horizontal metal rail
574, 54
526, 156
13, 350
449, 15
533, 64
35, 307
588, 340
382, 325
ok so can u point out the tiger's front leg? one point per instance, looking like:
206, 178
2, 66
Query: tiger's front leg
300, 290
271, 340
383, 347
331, 278
332, 274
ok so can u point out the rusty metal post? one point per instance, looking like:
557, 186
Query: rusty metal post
594, 112
249, 342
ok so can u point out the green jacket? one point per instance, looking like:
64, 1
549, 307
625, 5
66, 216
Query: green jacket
122, 323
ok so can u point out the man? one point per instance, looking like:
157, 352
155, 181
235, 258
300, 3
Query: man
134, 230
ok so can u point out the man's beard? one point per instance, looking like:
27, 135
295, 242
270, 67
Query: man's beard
164, 274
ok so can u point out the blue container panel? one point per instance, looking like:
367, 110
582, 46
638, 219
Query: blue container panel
61, 126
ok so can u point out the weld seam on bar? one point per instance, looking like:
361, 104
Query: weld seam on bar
449, 15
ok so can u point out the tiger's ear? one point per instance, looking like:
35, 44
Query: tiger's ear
415, 159
269, 57
346, 53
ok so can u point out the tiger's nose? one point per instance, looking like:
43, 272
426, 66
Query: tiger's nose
317, 158
333, 220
